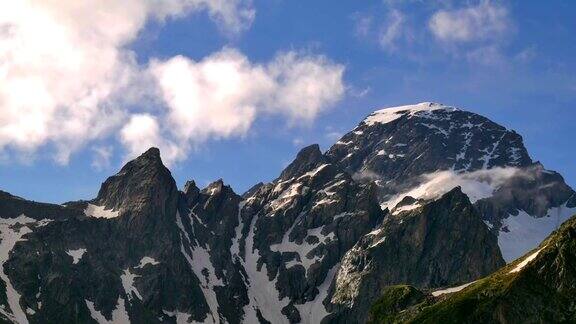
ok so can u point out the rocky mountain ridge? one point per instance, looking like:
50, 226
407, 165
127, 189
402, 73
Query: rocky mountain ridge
318, 244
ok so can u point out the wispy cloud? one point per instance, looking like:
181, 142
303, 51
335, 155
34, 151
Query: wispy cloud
392, 30
474, 32
101, 157
484, 21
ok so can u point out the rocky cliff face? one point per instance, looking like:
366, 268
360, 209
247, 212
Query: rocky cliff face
539, 287
426, 149
318, 244
436, 243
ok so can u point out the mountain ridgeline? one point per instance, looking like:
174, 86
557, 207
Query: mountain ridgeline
413, 200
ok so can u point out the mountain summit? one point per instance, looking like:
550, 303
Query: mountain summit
414, 199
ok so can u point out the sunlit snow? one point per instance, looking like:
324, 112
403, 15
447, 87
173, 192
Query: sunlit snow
451, 290
100, 212
387, 115
76, 255
520, 234
524, 262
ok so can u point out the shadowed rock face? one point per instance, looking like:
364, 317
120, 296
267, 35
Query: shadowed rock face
305, 160
424, 138
143, 186
441, 243
312, 242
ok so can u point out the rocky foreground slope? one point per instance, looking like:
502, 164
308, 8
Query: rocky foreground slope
424, 195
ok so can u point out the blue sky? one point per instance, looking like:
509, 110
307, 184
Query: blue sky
512, 61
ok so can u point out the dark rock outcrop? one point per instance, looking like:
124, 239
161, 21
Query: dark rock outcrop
444, 242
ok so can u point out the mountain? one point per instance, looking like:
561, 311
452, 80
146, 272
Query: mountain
442, 241
424, 196
537, 288
426, 149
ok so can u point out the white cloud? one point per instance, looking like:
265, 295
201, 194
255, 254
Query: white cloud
333, 136
392, 30
102, 156
486, 55
221, 96
298, 141
362, 24
68, 79
65, 73
142, 132
477, 184
482, 22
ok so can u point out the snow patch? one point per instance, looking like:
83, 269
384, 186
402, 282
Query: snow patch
100, 212
451, 290
199, 262
490, 153
286, 197
145, 261
314, 172
128, 283
305, 248
398, 210
11, 231
76, 255
527, 260
387, 115
119, 315
262, 292
522, 233
181, 318
314, 311
380, 241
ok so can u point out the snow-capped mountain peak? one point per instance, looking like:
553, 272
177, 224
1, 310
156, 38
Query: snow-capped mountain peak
387, 115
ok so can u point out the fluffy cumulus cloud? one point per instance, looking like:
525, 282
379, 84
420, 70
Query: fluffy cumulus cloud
221, 96
142, 132
67, 78
476, 23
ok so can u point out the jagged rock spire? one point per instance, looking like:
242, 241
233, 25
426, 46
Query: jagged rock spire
305, 160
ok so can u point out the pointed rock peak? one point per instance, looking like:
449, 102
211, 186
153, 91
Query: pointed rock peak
215, 187
152, 152
191, 192
149, 159
190, 186
407, 203
408, 200
307, 158
254, 189
141, 182
455, 196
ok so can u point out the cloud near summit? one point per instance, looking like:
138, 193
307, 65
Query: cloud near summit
68, 79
